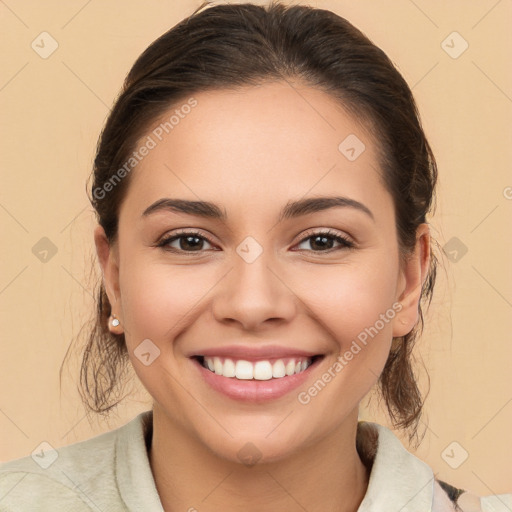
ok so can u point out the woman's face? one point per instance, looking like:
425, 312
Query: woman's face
256, 281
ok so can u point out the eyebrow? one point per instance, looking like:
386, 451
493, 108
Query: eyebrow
292, 209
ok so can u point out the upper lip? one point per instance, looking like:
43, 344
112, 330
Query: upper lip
252, 352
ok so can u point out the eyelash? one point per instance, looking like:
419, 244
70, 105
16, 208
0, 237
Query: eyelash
345, 242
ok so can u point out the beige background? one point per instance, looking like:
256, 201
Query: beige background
53, 110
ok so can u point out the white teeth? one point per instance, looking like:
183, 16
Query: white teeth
243, 370
217, 365
278, 369
290, 367
228, 369
263, 370
260, 370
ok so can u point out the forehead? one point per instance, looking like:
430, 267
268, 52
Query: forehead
256, 143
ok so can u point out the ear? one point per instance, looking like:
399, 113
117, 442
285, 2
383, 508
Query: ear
412, 276
108, 258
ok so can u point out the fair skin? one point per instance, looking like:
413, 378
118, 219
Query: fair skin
251, 152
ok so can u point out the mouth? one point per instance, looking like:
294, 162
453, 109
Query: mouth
259, 370
255, 374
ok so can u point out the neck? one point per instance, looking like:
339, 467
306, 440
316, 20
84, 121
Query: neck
326, 475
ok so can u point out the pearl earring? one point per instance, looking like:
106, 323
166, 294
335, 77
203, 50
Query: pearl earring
114, 321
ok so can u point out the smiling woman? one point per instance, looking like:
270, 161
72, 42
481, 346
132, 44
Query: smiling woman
265, 259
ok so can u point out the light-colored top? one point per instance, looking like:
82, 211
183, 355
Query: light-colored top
111, 473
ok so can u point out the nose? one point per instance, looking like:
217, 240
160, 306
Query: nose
254, 295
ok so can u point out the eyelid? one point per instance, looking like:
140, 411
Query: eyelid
345, 240
326, 231
170, 237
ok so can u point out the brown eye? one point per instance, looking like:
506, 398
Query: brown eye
325, 240
186, 242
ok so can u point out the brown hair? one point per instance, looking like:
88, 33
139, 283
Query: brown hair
229, 46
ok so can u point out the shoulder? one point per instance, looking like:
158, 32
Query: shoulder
78, 477
447, 497
399, 477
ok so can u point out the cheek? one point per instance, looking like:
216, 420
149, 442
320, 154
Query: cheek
354, 304
159, 302
158, 299
350, 298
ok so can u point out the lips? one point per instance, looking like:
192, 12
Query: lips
254, 353
254, 385
261, 363
255, 373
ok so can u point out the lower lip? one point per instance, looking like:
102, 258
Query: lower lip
254, 391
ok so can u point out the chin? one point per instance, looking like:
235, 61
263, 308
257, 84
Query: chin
253, 453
